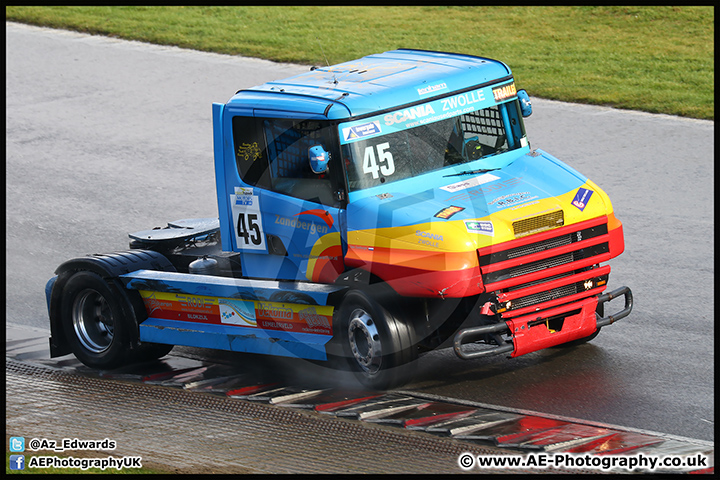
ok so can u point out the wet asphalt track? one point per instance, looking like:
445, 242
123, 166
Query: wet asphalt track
106, 137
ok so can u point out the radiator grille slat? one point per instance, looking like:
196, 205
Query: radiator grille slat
537, 224
546, 296
539, 246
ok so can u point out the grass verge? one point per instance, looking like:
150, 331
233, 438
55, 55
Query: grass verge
656, 59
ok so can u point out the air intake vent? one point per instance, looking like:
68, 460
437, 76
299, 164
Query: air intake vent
538, 224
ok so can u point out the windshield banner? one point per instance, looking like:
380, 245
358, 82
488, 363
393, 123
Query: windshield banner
425, 113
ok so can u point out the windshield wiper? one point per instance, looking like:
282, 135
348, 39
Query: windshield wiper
472, 172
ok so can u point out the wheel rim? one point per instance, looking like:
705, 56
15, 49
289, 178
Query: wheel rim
365, 341
92, 321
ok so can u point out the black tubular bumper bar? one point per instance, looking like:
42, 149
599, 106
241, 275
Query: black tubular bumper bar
475, 332
606, 297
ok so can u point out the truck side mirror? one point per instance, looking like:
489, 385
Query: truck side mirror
319, 158
525, 105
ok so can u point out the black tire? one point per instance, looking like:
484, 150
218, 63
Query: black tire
97, 321
377, 347
151, 351
579, 341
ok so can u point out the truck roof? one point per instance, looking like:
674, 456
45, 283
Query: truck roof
373, 83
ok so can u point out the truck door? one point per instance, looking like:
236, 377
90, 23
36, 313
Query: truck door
293, 227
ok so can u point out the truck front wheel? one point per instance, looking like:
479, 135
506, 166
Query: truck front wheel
96, 323
378, 347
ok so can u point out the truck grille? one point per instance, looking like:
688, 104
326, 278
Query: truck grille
539, 265
539, 246
537, 224
550, 268
544, 296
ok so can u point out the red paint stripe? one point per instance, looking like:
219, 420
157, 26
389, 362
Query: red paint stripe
250, 390
528, 425
324, 215
331, 407
709, 470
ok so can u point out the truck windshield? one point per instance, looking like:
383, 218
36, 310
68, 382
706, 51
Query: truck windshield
417, 140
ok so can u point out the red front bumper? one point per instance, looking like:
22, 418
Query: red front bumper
531, 333
555, 327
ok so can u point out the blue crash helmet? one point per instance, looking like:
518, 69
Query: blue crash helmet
319, 158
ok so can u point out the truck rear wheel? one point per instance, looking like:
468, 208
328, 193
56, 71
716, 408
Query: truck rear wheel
94, 321
378, 348
98, 323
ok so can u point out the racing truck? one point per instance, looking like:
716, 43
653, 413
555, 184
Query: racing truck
368, 212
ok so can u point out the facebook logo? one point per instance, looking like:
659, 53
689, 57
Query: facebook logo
17, 462
17, 444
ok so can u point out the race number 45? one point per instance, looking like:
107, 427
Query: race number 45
248, 222
382, 163
249, 231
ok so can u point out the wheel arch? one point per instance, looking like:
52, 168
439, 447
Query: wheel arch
108, 266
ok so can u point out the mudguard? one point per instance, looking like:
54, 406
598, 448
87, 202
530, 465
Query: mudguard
108, 266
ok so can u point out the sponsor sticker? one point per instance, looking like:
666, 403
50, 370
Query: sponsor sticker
470, 183
582, 197
243, 191
249, 151
249, 234
431, 88
244, 199
448, 212
237, 312
481, 227
512, 199
360, 131
313, 319
243, 196
423, 114
504, 92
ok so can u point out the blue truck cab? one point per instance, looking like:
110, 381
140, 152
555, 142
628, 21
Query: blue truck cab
368, 212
